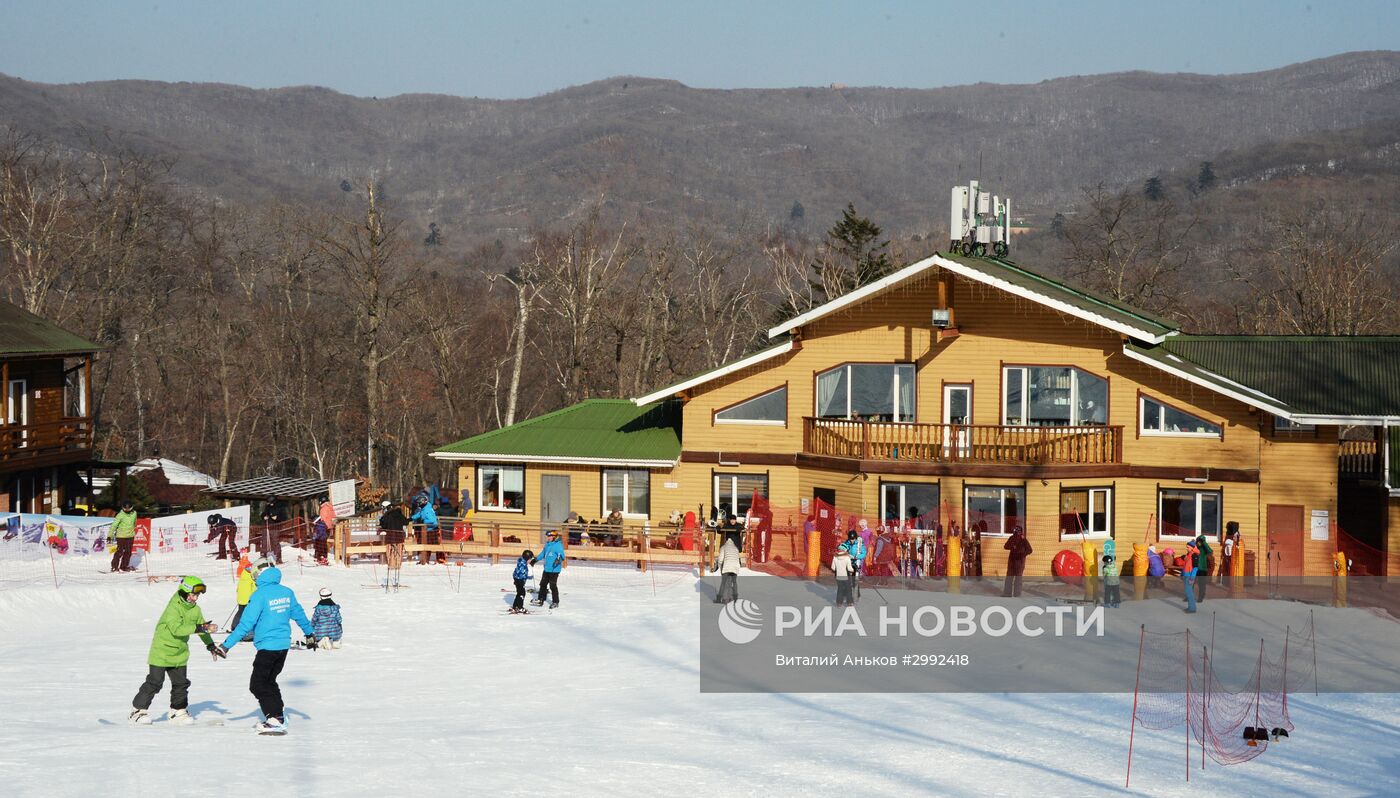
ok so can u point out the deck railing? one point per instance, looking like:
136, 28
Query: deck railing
20, 442
1359, 459
962, 443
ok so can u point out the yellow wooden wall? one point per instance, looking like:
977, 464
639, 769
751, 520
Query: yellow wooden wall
585, 492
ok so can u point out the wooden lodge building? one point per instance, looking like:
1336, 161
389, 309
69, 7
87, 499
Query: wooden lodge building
1001, 398
46, 435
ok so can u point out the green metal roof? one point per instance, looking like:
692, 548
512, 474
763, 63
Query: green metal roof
23, 333
1305, 374
594, 429
1081, 298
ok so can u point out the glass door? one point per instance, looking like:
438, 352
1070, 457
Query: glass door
957, 413
17, 411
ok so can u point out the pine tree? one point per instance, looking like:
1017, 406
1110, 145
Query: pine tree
1206, 179
854, 255
1152, 189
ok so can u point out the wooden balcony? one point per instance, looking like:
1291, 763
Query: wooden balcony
1359, 459
49, 443
962, 443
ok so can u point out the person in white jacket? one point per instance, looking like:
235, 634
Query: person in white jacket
729, 572
843, 567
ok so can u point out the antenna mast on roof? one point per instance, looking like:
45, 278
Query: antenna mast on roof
979, 221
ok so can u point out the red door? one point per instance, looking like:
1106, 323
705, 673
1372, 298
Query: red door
1285, 539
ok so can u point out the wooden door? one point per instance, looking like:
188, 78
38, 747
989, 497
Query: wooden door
1285, 539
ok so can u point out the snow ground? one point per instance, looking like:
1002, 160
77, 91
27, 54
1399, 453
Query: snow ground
436, 687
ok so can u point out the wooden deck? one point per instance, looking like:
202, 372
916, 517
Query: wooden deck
962, 443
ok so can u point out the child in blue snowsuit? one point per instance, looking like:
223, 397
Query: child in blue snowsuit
325, 621
521, 573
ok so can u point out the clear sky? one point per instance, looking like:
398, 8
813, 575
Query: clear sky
522, 48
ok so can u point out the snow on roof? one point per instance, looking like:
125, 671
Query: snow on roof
175, 473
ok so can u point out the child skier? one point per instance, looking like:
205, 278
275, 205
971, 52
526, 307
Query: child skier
553, 557
521, 573
170, 653
844, 569
325, 621
1110, 581
269, 615
856, 547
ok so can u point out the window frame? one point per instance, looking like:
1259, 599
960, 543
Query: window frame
715, 419
1292, 427
1219, 513
481, 494
733, 477
1109, 508
1004, 532
913, 414
903, 499
626, 491
1024, 368
1143, 398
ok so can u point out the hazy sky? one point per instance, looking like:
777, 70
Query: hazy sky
520, 48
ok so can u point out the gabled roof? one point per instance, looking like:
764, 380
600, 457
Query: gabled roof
268, 488
595, 431
1308, 378
23, 333
1013, 279
780, 348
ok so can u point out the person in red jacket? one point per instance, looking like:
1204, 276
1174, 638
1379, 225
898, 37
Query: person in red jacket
1020, 549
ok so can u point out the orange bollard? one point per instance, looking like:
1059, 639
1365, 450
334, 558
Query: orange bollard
1091, 571
1139, 571
814, 554
1237, 570
954, 564
1339, 579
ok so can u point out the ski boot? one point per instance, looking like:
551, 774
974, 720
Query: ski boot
181, 717
554, 605
271, 726
139, 717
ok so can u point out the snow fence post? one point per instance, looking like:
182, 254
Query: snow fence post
954, 564
1132, 724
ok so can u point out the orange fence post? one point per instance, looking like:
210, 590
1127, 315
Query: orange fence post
954, 564
643, 548
495, 539
1091, 570
1339, 579
814, 554
1237, 569
1139, 571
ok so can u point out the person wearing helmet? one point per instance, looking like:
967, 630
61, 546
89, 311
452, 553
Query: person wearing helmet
855, 545
170, 653
269, 617
553, 557
124, 533
325, 620
391, 526
426, 518
521, 573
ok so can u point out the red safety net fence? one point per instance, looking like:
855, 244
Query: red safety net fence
1180, 686
1364, 559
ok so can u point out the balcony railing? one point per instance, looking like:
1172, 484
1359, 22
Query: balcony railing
1360, 459
22, 442
962, 443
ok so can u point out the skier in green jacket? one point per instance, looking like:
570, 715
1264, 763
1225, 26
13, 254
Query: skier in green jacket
170, 651
124, 533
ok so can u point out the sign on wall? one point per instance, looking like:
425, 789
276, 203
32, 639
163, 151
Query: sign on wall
342, 495
1319, 524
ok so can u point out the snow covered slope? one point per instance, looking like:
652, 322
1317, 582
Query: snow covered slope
436, 688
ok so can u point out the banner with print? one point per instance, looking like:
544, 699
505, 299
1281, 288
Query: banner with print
199, 529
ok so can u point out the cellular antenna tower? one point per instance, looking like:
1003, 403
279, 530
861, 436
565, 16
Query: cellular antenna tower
979, 221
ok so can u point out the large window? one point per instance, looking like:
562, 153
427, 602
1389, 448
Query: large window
74, 393
627, 490
867, 392
1282, 424
1086, 511
1053, 396
994, 510
734, 492
1188, 513
911, 504
768, 408
501, 487
1159, 418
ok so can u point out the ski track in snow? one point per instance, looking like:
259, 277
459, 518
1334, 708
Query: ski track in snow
438, 688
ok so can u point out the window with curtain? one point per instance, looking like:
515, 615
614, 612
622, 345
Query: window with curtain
1053, 396
1188, 513
627, 490
1086, 511
868, 392
501, 487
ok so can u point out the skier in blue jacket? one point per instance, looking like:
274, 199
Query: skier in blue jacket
856, 548
519, 575
553, 557
426, 517
269, 616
